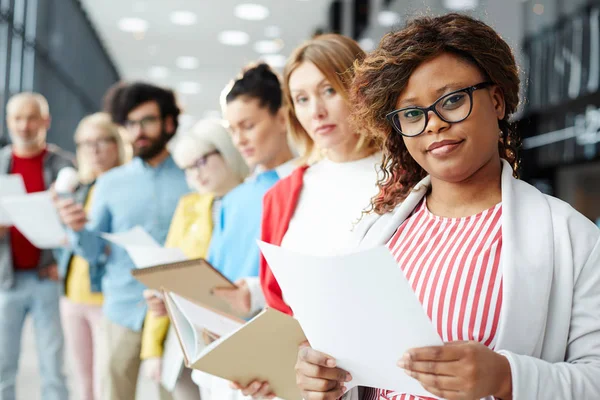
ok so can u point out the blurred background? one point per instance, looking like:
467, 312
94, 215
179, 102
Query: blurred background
71, 51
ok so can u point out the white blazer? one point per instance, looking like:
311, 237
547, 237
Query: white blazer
550, 319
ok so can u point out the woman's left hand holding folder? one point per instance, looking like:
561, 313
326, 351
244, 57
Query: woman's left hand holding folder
255, 389
239, 298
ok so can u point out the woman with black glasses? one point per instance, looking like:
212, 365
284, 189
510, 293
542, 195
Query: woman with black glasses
510, 277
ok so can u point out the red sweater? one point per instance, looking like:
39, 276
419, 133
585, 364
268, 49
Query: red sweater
25, 255
279, 205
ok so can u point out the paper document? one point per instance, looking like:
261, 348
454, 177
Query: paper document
143, 250
266, 348
36, 218
10, 185
173, 357
190, 320
360, 309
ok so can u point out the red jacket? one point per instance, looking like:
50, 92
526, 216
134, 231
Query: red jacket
279, 205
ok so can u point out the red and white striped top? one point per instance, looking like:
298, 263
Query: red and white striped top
453, 265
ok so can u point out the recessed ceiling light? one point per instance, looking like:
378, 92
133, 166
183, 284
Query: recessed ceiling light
388, 18
268, 46
187, 62
133, 25
272, 32
190, 87
184, 18
234, 38
538, 9
367, 44
158, 72
274, 60
460, 5
251, 12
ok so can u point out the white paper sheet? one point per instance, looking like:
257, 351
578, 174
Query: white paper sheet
172, 361
136, 236
36, 218
145, 256
10, 185
360, 309
204, 318
143, 250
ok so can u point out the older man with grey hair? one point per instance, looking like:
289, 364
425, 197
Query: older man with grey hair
28, 275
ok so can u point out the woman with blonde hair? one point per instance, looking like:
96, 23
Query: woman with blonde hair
99, 148
313, 210
213, 167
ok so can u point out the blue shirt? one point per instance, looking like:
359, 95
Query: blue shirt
233, 249
130, 195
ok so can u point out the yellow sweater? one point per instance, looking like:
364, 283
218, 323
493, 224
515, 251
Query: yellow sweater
190, 230
77, 284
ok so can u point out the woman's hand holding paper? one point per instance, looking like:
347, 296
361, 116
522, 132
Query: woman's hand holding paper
317, 375
460, 370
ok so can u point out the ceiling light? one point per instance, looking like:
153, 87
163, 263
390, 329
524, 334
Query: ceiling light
251, 12
133, 25
268, 46
538, 9
272, 32
184, 18
367, 44
234, 38
187, 62
189, 87
274, 60
158, 72
460, 5
388, 18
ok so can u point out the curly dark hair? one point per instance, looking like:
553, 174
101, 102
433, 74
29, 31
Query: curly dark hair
384, 74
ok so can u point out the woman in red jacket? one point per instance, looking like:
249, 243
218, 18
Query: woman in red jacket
313, 210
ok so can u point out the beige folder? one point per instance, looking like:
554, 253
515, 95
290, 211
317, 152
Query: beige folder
264, 349
192, 279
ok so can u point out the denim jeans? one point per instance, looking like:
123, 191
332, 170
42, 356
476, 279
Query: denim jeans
40, 299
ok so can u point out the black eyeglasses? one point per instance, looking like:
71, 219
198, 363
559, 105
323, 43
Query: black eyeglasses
144, 123
452, 108
202, 161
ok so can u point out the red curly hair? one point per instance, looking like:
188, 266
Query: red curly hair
383, 74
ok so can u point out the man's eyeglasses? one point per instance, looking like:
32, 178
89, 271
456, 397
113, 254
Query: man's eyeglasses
203, 160
452, 108
144, 123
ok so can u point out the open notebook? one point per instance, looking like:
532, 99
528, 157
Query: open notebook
264, 349
192, 279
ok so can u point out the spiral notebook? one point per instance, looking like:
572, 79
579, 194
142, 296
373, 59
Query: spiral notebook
191, 279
